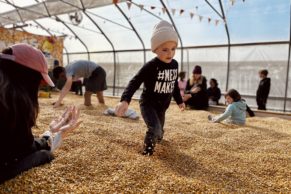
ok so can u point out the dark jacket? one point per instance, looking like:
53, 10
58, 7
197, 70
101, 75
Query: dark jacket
198, 100
15, 140
264, 88
160, 84
214, 94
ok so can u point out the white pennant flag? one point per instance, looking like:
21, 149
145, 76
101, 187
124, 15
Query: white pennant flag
191, 15
200, 18
173, 11
164, 10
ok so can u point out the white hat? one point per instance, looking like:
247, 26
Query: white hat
163, 32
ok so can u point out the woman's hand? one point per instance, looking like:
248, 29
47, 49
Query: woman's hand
67, 121
182, 106
121, 108
187, 97
195, 90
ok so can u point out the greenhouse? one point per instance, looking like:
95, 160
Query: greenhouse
231, 40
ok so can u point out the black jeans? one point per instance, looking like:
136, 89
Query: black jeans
261, 102
155, 120
38, 155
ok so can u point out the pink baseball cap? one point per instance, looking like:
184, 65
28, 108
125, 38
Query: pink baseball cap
30, 57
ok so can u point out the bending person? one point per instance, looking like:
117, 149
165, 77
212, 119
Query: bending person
95, 80
196, 90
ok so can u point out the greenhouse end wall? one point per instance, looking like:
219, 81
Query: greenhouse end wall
242, 73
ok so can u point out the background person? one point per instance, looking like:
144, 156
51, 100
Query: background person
22, 67
235, 112
94, 79
196, 90
213, 92
263, 89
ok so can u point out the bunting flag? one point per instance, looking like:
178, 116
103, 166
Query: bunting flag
128, 4
141, 7
191, 15
181, 11
115, 1
163, 10
173, 11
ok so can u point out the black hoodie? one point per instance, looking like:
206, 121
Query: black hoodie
160, 84
264, 88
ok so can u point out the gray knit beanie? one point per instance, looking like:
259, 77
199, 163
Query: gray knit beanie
163, 32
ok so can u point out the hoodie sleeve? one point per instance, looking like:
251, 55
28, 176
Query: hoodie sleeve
225, 115
135, 83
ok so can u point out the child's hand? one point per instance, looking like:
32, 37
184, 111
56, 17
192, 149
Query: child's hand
121, 108
56, 104
210, 118
182, 106
68, 120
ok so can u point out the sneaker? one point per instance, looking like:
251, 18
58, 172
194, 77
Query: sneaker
148, 150
159, 140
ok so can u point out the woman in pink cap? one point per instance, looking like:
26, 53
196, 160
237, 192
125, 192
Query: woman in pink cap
22, 67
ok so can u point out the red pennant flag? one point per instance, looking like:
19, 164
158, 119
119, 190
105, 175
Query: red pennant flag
181, 11
128, 4
191, 15
173, 11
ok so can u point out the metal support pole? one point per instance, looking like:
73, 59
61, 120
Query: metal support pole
228, 45
113, 49
135, 31
288, 65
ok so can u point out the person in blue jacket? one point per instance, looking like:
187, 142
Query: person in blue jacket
235, 112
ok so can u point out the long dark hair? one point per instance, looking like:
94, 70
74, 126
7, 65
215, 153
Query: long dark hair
214, 81
18, 94
234, 95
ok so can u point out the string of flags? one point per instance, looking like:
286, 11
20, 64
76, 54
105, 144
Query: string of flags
180, 12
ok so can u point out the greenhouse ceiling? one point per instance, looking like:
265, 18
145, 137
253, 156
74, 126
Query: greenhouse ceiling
106, 25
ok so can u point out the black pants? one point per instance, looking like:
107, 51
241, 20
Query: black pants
261, 102
38, 155
155, 120
77, 87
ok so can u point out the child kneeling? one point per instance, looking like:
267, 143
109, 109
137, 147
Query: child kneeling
235, 112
